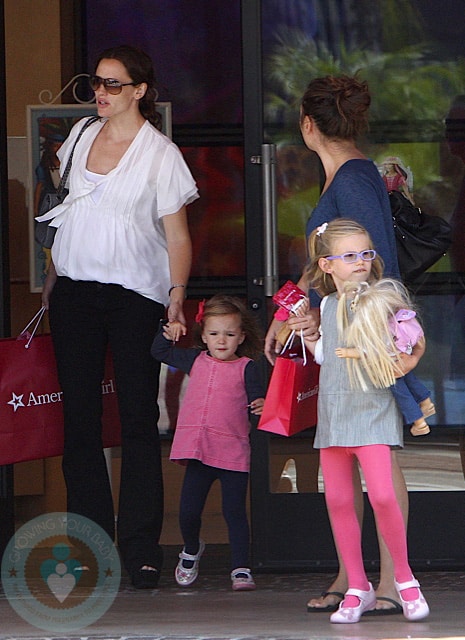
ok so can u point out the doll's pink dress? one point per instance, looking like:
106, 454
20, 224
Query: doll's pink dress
405, 330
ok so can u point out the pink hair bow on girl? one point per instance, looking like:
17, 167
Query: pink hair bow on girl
200, 312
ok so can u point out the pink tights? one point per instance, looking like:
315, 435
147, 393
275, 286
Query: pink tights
375, 461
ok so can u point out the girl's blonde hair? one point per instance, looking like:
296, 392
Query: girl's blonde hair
320, 245
363, 314
224, 305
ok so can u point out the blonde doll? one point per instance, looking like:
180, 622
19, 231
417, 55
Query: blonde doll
383, 325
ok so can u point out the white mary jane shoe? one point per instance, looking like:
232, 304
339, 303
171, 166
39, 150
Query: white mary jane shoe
413, 609
349, 615
186, 576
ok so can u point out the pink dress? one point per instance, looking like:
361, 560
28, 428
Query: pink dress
213, 423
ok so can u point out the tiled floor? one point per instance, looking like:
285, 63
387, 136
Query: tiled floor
276, 610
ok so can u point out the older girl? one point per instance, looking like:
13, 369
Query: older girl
356, 424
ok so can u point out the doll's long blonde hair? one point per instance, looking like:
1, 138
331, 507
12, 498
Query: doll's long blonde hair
363, 314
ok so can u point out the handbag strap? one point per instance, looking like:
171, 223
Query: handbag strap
29, 335
64, 178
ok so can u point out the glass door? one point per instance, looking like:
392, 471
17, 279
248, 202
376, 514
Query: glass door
284, 46
227, 103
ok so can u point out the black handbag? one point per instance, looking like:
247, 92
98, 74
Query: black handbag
44, 233
421, 239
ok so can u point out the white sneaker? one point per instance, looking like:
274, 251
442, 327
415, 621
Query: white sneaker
185, 576
242, 580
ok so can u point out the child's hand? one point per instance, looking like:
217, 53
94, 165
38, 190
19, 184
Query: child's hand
256, 406
308, 323
173, 331
302, 308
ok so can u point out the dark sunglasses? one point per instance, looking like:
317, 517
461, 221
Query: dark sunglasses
114, 87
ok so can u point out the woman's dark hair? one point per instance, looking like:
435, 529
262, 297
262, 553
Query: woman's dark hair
140, 69
224, 305
338, 105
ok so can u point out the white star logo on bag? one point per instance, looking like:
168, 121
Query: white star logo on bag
16, 401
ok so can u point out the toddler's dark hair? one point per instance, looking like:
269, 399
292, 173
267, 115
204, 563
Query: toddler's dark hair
223, 305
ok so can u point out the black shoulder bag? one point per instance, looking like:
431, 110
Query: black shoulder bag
44, 233
421, 239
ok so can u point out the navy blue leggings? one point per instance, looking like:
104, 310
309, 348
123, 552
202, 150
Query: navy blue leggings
198, 480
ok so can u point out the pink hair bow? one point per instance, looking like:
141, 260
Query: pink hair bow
200, 312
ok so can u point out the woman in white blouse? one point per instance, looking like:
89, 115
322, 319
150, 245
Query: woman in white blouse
121, 254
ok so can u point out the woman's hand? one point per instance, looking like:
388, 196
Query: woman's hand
272, 346
176, 310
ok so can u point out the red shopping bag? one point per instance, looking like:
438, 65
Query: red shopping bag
291, 398
31, 415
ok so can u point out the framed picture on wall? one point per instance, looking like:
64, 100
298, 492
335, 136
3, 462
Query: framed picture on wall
48, 127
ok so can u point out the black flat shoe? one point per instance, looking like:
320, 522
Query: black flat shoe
145, 578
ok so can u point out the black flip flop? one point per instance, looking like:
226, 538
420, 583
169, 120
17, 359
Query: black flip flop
145, 578
395, 610
330, 607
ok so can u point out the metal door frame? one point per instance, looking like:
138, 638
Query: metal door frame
6, 472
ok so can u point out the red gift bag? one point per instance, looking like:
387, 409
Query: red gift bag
31, 416
291, 398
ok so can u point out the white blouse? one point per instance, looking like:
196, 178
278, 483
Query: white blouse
118, 236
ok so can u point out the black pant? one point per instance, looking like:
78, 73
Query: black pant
196, 486
84, 318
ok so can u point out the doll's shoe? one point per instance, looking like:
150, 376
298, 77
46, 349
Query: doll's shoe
186, 575
413, 609
242, 580
419, 428
349, 615
427, 408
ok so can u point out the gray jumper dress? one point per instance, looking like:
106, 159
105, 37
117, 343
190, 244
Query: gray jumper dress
347, 416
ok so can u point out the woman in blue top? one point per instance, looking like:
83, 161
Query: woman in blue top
333, 114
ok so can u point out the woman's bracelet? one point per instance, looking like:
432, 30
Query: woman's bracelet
175, 286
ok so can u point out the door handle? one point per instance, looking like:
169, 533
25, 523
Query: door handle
270, 219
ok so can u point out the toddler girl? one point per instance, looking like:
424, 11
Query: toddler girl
212, 431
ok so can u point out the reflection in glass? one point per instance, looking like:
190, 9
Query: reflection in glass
432, 463
216, 219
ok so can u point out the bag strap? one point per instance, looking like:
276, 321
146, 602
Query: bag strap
29, 335
64, 178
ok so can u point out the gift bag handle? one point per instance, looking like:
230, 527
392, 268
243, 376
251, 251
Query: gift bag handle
29, 335
290, 341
